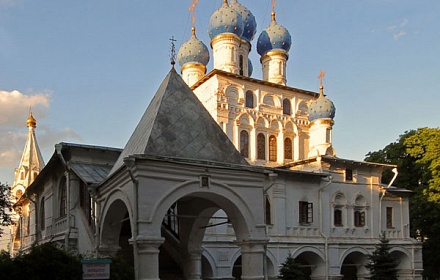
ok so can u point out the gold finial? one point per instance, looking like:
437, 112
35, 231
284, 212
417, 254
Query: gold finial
321, 81
225, 1
193, 31
173, 51
274, 2
31, 122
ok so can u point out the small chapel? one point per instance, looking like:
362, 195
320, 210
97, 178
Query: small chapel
224, 176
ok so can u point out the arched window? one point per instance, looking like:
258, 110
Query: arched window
249, 99
63, 197
261, 146
268, 212
272, 148
359, 218
337, 217
244, 143
339, 204
288, 154
360, 211
287, 110
42, 215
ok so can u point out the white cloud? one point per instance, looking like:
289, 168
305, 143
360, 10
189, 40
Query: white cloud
14, 106
14, 110
401, 33
398, 30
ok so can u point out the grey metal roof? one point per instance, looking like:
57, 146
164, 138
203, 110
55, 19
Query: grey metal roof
176, 124
89, 172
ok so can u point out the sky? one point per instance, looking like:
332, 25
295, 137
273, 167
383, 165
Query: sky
89, 68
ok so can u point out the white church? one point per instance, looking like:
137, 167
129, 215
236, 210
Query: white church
224, 177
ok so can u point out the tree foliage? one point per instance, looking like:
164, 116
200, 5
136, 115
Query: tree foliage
5, 206
291, 270
42, 262
417, 156
424, 146
382, 265
45, 262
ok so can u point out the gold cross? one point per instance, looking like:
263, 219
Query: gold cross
321, 77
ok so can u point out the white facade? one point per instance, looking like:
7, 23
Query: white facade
180, 202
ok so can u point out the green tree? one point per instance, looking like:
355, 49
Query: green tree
48, 262
291, 270
382, 265
5, 206
417, 156
424, 146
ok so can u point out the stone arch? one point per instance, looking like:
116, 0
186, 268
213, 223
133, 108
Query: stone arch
360, 200
272, 100
268, 99
246, 120
403, 255
235, 206
275, 125
302, 108
270, 262
290, 128
353, 261
232, 94
116, 212
209, 268
262, 122
339, 198
312, 259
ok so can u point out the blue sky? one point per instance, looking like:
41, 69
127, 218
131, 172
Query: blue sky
89, 68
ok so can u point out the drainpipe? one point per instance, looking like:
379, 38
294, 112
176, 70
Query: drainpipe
330, 180
58, 148
394, 178
130, 164
382, 194
66, 238
272, 177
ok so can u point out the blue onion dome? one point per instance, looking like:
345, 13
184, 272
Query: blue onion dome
274, 37
321, 108
250, 24
250, 68
193, 51
225, 20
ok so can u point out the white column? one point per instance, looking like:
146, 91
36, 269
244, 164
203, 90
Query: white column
195, 265
252, 259
147, 265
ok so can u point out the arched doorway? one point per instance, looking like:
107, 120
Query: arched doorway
311, 262
353, 266
116, 232
199, 212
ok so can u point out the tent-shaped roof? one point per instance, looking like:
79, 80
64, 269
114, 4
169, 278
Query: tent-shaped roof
176, 124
